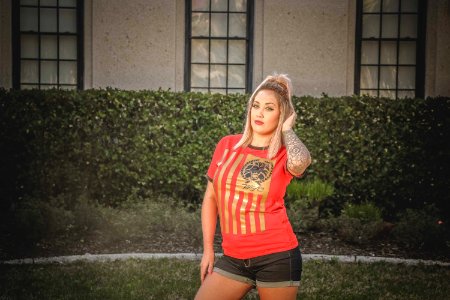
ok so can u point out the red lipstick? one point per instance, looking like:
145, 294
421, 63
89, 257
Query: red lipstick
257, 122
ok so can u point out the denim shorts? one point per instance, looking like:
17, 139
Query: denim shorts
279, 269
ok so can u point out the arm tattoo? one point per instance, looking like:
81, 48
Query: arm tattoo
298, 155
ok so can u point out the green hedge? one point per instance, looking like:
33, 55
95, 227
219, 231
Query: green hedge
112, 145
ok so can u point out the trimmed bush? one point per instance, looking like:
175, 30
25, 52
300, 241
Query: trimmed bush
358, 223
365, 212
113, 145
422, 228
303, 200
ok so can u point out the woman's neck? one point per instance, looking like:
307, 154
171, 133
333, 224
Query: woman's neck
260, 140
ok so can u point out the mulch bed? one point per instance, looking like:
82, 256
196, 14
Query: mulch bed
311, 243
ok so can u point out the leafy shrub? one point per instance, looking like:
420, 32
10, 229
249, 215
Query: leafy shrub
308, 192
156, 219
420, 228
109, 144
303, 200
358, 223
364, 212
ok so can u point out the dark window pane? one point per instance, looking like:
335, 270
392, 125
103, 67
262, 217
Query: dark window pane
49, 47
236, 76
406, 77
372, 93
49, 72
390, 5
407, 54
200, 24
406, 94
369, 77
28, 19
68, 20
238, 5
218, 91
408, 26
387, 94
371, 5
371, 26
200, 51
238, 25
29, 2
219, 25
219, 51
29, 45
219, 5
201, 5
369, 52
218, 76
68, 3
388, 77
389, 53
48, 20
68, 72
390, 26
29, 71
68, 47
199, 75
409, 5
48, 2
236, 51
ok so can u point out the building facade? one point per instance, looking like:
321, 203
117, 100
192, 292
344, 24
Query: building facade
392, 48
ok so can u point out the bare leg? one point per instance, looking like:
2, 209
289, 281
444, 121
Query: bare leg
288, 293
219, 287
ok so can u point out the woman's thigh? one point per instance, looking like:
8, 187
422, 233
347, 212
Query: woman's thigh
288, 293
218, 287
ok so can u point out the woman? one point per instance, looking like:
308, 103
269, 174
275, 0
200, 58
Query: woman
247, 180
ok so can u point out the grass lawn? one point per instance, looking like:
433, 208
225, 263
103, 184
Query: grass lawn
178, 279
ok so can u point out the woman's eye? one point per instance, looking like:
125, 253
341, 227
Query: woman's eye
269, 108
255, 106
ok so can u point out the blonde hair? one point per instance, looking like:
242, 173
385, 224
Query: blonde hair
282, 86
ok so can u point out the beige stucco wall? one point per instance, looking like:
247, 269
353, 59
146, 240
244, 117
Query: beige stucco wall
312, 41
5, 44
141, 45
136, 46
437, 75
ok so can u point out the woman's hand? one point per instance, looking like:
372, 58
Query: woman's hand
289, 122
207, 264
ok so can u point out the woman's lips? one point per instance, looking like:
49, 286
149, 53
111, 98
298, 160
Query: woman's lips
259, 122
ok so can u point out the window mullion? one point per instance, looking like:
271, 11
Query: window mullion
227, 42
209, 48
57, 45
39, 42
380, 35
398, 48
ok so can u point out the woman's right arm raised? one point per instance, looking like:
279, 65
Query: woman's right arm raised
209, 221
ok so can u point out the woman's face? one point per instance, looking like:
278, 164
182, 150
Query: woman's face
265, 113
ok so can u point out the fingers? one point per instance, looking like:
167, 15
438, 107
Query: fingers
205, 270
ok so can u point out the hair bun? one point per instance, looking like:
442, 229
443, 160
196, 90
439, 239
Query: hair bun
283, 82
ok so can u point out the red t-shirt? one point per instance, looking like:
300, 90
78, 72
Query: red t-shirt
249, 192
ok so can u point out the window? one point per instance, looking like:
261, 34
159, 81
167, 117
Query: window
47, 43
390, 40
218, 46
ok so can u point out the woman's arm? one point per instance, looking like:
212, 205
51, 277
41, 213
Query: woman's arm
209, 221
298, 155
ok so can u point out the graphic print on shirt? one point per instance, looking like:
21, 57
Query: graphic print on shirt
243, 183
255, 172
